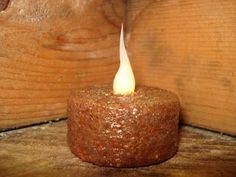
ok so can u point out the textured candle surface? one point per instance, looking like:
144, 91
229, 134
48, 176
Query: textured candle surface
123, 131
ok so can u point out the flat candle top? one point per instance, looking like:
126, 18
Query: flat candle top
143, 96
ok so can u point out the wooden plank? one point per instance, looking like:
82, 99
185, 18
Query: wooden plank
43, 151
48, 49
188, 47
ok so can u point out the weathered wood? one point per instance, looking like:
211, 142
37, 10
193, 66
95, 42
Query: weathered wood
43, 151
188, 47
49, 48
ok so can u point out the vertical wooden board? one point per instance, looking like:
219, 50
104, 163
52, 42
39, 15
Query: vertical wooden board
49, 48
189, 47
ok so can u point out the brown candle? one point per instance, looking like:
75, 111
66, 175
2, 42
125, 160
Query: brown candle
123, 131
124, 127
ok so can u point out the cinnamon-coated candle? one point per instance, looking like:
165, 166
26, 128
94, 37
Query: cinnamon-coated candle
123, 131
123, 126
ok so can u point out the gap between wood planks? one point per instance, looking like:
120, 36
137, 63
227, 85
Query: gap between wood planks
33, 125
201, 129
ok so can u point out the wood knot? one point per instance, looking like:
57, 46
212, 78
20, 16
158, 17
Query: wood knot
3, 4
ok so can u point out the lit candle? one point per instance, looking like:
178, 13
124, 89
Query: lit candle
126, 127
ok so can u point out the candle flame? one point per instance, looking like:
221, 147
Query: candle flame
124, 82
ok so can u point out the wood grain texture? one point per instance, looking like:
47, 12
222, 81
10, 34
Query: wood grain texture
49, 48
3, 4
42, 151
189, 47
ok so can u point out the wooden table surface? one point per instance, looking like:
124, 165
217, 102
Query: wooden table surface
42, 151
